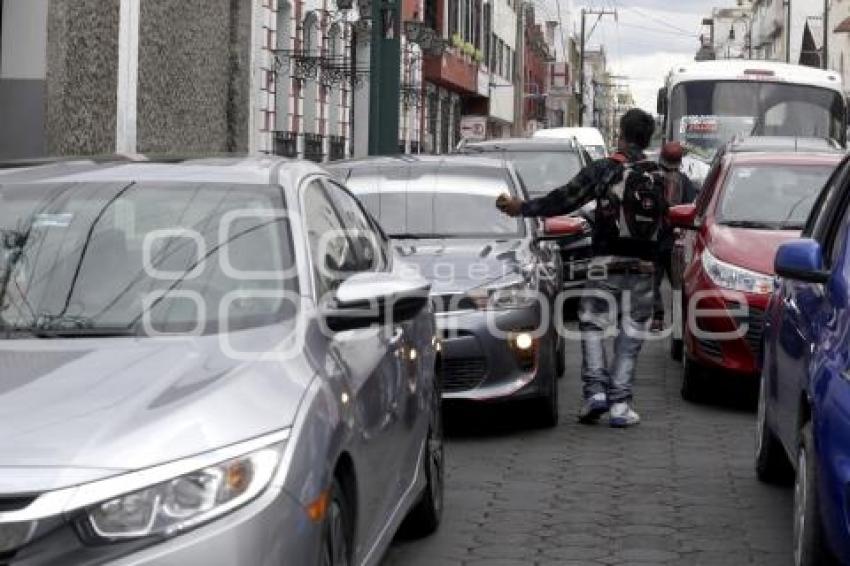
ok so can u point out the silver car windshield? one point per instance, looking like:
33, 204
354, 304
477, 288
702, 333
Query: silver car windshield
141, 258
426, 202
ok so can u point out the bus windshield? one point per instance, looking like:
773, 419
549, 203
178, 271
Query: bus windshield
707, 114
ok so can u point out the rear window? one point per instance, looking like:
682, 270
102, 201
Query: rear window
430, 201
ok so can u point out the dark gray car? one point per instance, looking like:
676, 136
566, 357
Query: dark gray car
493, 281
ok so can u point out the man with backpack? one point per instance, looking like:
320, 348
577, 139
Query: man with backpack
630, 211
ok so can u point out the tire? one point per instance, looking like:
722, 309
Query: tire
677, 345
676, 349
424, 519
546, 414
337, 533
772, 465
693, 381
560, 357
810, 547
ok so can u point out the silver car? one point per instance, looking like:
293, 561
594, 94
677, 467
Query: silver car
495, 279
211, 362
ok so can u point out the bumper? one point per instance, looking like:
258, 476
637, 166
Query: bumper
272, 529
479, 359
730, 336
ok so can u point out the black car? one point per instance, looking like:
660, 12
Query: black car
494, 279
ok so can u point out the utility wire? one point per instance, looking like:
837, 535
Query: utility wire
658, 20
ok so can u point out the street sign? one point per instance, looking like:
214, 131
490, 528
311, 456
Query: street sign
473, 128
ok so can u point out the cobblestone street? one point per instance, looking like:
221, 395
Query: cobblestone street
678, 489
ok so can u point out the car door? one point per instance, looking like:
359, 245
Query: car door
414, 343
369, 358
805, 309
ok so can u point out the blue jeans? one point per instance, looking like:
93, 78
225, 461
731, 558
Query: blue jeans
621, 302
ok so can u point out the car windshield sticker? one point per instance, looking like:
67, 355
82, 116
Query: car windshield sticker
59, 220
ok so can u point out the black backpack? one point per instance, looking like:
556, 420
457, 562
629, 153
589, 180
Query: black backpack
631, 209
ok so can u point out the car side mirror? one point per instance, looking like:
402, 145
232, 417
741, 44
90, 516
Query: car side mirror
801, 260
375, 298
563, 227
683, 216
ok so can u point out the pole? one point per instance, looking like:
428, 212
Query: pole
581, 71
384, 77
788, 31
584, 38
825, 58
519, 74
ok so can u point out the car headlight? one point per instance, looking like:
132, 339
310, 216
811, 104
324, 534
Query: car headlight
512, 292
185, 501
736, 278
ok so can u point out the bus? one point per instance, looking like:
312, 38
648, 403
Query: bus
705, 104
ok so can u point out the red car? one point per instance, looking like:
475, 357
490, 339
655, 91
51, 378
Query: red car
749, 205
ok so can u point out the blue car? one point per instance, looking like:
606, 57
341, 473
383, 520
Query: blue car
803, 427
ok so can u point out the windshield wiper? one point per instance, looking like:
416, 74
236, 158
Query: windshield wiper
422, 236
756, 224
61, 326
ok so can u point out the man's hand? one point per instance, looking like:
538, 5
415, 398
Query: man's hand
510, 206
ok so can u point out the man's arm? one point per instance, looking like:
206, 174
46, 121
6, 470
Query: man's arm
563, 200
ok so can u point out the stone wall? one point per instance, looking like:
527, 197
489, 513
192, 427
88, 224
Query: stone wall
194, 76
82, 62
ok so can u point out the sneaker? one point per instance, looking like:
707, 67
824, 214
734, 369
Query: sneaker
593, 409
622, 416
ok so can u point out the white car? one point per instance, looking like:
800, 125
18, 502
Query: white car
590, 138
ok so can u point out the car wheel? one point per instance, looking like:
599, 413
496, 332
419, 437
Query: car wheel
809, 543
676, 349
561, 357
693, 382
677, 345
336, 537
772, 465
424, 518
547, 413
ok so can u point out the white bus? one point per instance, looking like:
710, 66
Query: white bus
705, 104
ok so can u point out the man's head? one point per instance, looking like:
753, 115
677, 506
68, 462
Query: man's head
636, 128
671, 156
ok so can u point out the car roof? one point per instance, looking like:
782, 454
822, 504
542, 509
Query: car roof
783, 143
524, 144
443, 161
261, 170
784, 158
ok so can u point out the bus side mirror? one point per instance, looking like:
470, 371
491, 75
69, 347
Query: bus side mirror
662, 100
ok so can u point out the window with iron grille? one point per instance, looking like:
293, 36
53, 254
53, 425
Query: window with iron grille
313, 147
337, 148
285, 144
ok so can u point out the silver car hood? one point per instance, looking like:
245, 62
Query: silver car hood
75, 410
459, 265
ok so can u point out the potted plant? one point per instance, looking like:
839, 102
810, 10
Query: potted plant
457, 41
478, 56
468, 49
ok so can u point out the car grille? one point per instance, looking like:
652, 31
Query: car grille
452, 302
462, 374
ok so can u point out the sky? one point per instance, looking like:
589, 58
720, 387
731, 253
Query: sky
647, 39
